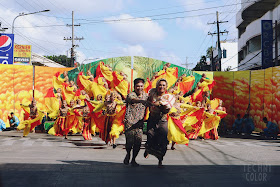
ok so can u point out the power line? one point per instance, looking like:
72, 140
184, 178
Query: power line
121, 20
180, 12
179, 6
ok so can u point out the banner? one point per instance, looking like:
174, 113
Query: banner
16, 89
224, 90
276, 95
6, 48
267, 44
22, 54
257, 98
241, 92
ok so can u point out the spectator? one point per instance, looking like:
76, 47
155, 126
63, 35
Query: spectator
237, 126
13, 120
248, 124
2, 125
271, 129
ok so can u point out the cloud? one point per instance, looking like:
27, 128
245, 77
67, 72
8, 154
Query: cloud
80, 57
89, 6
137, 30
44, 40
132, 50
193, 22
169, 56
206, 14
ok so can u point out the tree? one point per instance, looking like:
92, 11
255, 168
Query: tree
209, 52
202, 65
61, 59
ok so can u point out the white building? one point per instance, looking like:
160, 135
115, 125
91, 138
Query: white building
248, 23
229, 55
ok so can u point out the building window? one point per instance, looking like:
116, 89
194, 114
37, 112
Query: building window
224, 53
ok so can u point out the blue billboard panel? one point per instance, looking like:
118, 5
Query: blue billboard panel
6, 48
267, 44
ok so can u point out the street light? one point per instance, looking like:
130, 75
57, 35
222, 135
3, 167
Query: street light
23, 14
87, 60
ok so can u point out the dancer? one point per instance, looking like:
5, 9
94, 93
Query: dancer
110, 111
157, 123
34, 119
134, 120
114, 116
86, 124
60, 122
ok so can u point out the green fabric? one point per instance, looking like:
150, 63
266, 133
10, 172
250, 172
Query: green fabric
48, 125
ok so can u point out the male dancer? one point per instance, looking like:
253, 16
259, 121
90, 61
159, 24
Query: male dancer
134, 120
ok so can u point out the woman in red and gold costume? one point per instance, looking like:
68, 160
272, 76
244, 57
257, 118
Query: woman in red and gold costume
33, 116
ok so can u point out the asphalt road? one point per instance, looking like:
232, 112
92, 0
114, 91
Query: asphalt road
45, 160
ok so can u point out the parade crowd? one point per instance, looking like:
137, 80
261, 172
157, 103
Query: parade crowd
104, 105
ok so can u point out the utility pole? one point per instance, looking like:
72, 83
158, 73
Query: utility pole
73, 39
218, 42
276, 44
187, 64
2, 29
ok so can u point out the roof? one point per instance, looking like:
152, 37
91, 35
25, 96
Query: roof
43, 61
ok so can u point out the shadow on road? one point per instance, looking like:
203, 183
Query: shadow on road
93, 173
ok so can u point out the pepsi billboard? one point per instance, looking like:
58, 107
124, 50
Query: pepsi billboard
6, 48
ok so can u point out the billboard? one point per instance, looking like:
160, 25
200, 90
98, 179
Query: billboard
267, 44
6, 48
22, 54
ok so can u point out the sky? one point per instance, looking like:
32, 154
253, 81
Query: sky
175, 31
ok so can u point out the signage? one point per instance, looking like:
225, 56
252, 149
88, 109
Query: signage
6, 48
22, 54
267, 44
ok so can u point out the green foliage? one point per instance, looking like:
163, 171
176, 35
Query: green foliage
209, 52
61, 59
202, 65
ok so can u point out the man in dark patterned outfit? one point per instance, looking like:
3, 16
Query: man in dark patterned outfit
134, 120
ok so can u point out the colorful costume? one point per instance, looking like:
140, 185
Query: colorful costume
83, 82
185, 85
52, 103
120, 84
33, 121
58, 81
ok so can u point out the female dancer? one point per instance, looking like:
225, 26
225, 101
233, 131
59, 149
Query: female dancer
157, 123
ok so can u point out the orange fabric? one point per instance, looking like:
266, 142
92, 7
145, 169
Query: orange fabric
86, 131
68, 93
57, 81
186, 84
197, 96
147, 85
119, 84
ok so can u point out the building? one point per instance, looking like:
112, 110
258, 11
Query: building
39, 60
229, 60
248, 23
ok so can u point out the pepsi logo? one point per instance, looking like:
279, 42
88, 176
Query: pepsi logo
5, 43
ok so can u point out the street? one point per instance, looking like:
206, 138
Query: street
44, 160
